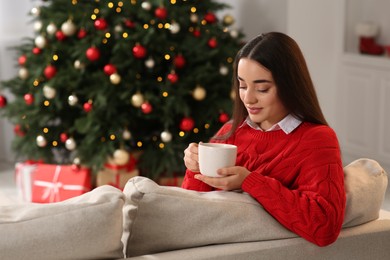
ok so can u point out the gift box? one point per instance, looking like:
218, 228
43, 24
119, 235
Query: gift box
24, 174
117, 175
53, 183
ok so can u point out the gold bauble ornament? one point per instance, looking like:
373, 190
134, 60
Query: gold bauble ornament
228, 20
137, 99
115, 78
199, 93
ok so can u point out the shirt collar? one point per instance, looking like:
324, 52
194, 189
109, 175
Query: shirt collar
287, 124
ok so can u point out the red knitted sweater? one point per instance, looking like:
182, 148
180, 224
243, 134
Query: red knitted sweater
298, 178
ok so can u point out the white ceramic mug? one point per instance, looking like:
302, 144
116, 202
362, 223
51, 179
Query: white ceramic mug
213, 156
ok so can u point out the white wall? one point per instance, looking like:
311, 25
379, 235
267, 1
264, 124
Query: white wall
13, 27
316, 26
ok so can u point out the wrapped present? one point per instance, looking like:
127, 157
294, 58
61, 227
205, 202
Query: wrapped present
53, 183
117, 175
171, 181
24, 172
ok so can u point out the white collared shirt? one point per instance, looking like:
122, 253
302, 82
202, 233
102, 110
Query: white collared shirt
287, 124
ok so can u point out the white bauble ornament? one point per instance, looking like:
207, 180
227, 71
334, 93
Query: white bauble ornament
73, 100
149, 63
41, 141
121, 157
199, 93
35, 11
68, 28
23, 73
174, 28
194, 18
137, 99
126, 134
77, 161
166, 136
115, 78
49, 92
40, 41
234, 33
146, 5
78, 65
223, 70
51, 29
118, 28
70, 144
37, 26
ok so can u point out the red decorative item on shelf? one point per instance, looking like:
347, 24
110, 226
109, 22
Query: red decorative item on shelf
100, 24
93, 54
50, 71
161, 13
139, 51
367, 33
3, 101
28, 98
53, 183
187, 124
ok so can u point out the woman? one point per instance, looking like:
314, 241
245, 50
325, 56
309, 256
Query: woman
288, 158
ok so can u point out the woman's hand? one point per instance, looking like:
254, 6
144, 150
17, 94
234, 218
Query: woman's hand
191, 158
231, 178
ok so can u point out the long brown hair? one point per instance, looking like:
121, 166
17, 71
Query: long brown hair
281, 55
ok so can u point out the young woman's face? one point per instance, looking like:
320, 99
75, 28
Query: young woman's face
258, 92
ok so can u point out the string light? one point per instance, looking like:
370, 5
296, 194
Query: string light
55, 57
181, 133
110, 5
54, 143
45, 130
196, 130
139, 144
165, 94
167, 57
36, 83
125, 35
193, 9
161, 145
146, 26
173, 2
159, 79
207, 126
112, 137
46, 103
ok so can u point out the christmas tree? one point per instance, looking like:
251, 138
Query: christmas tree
102, 79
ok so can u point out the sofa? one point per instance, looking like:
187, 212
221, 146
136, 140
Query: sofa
149, 221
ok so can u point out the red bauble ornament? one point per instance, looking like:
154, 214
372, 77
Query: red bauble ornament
179, 61
60, 35
161, 13
100, 24
197, 33
92, 53
139, 51
129, 23
22, 60
28, 99
146, 108
19, 131
210, 18
223, 118
3, 101
50, 71
63, 137
87, 107
173, 77
109, 69
81, 33
187, 124
36, 50
212, 43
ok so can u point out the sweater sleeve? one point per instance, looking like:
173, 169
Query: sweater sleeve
313, 206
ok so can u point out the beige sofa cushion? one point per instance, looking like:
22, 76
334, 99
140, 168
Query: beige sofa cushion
85, 227
158, 218
365, 185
